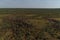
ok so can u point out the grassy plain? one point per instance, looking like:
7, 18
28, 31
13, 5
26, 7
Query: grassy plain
42, 29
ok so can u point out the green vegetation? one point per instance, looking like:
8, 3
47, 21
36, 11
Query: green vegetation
29, 24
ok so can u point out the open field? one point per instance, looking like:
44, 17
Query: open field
29, 24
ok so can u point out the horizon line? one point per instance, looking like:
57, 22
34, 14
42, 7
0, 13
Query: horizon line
34, 8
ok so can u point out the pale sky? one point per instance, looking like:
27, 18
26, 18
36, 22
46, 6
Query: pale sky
29, 3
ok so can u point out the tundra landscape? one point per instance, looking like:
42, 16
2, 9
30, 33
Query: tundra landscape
29, 24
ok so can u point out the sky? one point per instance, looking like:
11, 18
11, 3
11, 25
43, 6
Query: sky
29, 3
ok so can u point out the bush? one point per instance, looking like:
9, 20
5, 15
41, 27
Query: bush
18, 26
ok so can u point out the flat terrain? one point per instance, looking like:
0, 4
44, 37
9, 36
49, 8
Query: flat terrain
43, 24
